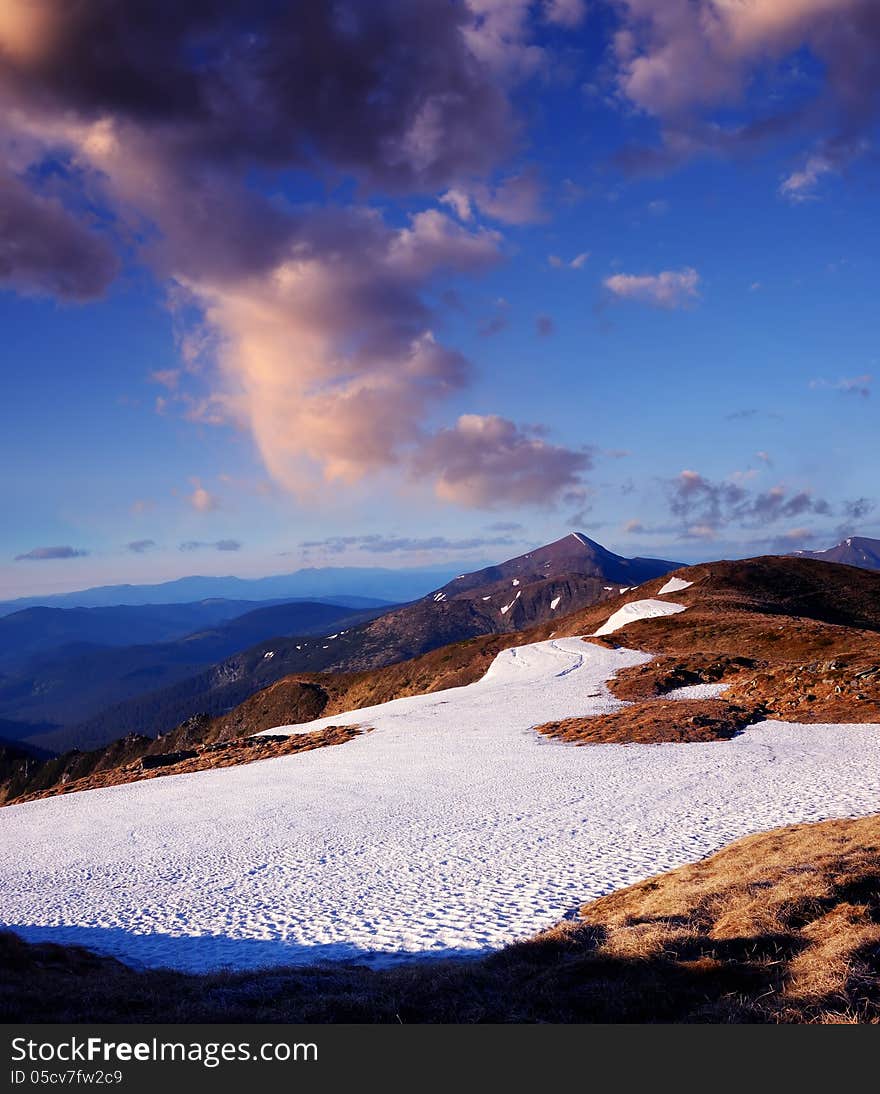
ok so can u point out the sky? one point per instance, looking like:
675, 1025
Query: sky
322, 283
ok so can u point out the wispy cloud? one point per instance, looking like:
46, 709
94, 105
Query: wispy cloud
801, 185
576, 263
387, 545
854, 385
216, 545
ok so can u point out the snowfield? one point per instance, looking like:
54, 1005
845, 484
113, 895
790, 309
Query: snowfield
451, 828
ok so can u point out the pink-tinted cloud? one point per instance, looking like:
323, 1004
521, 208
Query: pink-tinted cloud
306, 327
681, 59
202, 500
667, 289
486, 462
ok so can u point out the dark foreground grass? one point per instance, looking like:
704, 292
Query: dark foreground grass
779, 927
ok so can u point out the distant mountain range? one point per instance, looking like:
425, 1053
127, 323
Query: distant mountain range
362, 587
854, 551
77, 680
543, 584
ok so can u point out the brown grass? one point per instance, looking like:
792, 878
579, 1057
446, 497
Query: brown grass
658, 721
779, 927
208, 757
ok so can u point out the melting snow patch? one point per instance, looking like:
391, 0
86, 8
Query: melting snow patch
439, 596
507, 607
674, 585
554, 603
697, 691
515, 582
269, 654
637, 609
452, 828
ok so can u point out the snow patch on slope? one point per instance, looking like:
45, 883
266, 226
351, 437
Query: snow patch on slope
637, 609
674, 585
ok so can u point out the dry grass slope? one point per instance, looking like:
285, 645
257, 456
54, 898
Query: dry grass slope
779, 927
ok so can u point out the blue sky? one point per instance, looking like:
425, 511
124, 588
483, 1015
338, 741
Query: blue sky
596, 298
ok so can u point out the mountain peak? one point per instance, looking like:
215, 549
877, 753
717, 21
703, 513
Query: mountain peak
859, 551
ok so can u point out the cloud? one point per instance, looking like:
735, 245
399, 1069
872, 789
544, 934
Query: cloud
304, 326
45, 250
855, 385
139, 546
793, 539
704, 506
486, 461
377, 90
634, 527
459, 202
667, 289
545, 325
505, 526
853, 512
514, 200
501, 38
378, 544
216, 545
801, 185
494, 325
167, 377
565, 13
43, 554
202, 500
576, 263
684, 60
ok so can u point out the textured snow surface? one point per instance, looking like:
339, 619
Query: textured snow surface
637, 609
452, 828
675, 585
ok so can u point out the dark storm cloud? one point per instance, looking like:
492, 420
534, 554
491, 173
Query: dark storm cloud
388, 90
44, 250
